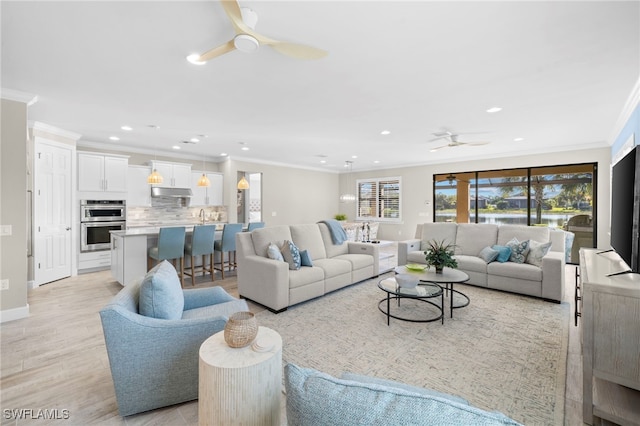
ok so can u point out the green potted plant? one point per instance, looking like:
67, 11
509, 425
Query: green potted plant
440, 254
341, 217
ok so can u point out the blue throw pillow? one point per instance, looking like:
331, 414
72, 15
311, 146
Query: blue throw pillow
291, 255
504, 255
305, 258
161, 294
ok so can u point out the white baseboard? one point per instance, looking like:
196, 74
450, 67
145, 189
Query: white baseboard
31, 284
14, 314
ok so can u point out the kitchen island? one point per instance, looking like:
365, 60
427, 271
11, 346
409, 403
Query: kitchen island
129, 249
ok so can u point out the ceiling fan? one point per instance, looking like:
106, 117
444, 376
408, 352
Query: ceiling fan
247, 40
453, 140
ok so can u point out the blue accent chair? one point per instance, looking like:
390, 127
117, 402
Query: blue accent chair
170, 247
201, 245
227, 245
154, 362
255, 225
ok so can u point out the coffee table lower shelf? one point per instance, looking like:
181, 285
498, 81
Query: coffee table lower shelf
422, 293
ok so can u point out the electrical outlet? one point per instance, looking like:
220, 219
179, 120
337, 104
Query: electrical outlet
4, 284
5, 230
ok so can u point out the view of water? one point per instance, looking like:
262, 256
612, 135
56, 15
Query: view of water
551, 220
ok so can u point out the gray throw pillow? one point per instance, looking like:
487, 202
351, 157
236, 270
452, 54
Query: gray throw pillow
488, 254
161, 294
519, 250
537, 251
291, 255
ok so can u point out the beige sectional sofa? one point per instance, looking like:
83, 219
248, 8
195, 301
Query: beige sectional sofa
271, 283
545, 281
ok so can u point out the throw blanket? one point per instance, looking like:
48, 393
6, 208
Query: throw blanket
338, 236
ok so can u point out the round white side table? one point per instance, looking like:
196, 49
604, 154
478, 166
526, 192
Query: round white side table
240, 385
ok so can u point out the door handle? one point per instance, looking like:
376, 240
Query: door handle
68, 228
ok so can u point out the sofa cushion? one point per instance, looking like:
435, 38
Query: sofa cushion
291, 255
537, 251
416, 257
398, 385
438, 231
308, 237
262, 237
358, 261
488, 254
334, 267
519, 250
305, 276
331, 250
471, 263
504, 253
517, 271
161, 293
507, 232
315, 398
472, 237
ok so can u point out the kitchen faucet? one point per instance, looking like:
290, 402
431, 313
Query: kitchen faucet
202, 215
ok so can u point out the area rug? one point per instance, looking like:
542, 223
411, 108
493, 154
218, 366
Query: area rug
503, 352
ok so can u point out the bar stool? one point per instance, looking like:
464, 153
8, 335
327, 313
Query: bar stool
170, 247
227, 244
255, 225
201, 245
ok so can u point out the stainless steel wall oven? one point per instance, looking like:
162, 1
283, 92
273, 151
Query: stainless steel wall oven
97, 219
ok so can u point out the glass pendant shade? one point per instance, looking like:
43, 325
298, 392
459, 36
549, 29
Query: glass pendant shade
243, 183
204, 180
155, 177
348, 197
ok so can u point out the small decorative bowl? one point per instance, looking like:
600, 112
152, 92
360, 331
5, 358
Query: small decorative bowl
241, 329
407, 280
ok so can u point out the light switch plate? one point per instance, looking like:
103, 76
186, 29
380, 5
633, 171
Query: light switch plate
4, 284
5, 230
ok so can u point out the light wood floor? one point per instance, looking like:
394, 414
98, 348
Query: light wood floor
56, 358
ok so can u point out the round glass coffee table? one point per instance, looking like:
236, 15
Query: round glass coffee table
422, 292
446, 280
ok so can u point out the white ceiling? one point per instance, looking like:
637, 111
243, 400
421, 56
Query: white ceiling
561, 71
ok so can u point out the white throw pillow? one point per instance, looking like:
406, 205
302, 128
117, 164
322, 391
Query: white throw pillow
537, 251
273, 251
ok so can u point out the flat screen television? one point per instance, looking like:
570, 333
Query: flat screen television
625, 209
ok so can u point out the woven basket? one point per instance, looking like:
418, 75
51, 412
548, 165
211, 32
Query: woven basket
241, 329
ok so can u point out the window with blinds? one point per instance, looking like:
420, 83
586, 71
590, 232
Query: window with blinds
379, 199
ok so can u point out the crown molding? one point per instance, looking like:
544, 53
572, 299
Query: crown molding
17, 96
110, 147
629, 107
43, 127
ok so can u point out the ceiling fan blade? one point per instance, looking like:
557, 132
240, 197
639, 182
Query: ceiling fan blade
232, 9
439, 148
474, 143
217, 51
298, 51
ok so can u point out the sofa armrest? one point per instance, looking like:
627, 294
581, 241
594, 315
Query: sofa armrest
264, 280
405, 247
553, 276
200, 297
370, 249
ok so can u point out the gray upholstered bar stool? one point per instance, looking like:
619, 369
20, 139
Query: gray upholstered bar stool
170, 247
227, 245
201, 245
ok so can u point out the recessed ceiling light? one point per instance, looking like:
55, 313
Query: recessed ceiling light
354, 156
518, 139
194, 58
385, 132
323, 161
127, 128
194, 140
114, 138
245, 148
376, 161
175, 147
223, 154
494, 109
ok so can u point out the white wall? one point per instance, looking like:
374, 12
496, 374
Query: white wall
417, 187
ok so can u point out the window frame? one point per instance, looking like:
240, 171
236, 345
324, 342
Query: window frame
377, 216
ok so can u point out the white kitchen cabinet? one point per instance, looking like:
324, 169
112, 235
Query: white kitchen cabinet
207, 195
128, 257
102, 173
177, 175
138, 190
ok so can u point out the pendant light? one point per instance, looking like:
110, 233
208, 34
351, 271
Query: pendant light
154, 177
243, 183
204, 180
348, 197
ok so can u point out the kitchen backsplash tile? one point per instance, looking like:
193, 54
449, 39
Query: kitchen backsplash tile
168, 212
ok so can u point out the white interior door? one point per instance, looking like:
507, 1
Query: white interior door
52, 211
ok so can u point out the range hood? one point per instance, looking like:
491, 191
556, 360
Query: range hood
160, 192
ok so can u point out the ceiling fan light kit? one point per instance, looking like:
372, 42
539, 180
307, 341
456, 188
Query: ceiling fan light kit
246, 43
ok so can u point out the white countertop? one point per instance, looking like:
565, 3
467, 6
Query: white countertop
154, 230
